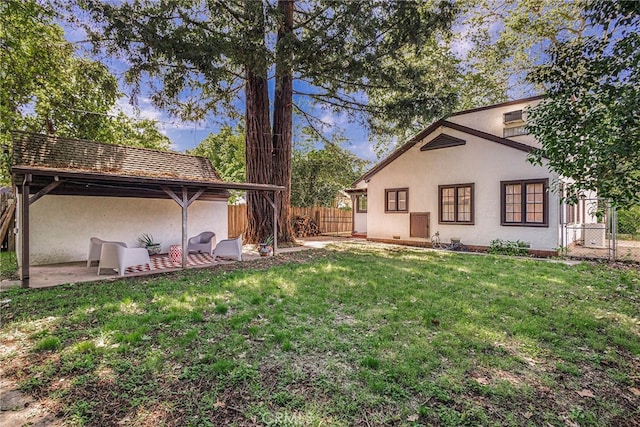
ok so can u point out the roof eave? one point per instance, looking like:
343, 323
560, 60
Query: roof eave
22, 170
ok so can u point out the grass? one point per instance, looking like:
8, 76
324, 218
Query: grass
356, 335
8, 265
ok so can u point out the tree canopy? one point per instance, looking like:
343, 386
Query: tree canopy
200, 57
500, 41
589, 120
319, 174
45, 87
227, 151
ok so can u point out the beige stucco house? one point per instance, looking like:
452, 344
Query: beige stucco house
467, 177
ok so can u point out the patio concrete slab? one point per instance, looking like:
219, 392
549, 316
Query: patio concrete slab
43, 276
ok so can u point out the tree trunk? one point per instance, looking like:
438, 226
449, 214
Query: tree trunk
258, 131
283, 117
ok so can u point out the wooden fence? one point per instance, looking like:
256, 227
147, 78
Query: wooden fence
7, 215
237, 219
330, 220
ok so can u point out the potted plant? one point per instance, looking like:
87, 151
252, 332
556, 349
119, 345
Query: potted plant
266, 248
146, 240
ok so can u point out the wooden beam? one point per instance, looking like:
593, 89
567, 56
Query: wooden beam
195, 197
185, 206
275, 221
44, 191
173, 195
141, 180
24, 230
274, 205
184, 203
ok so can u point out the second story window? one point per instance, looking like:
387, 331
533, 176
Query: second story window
515, 131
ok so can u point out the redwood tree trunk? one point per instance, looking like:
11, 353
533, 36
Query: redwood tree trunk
283, 118
258, 131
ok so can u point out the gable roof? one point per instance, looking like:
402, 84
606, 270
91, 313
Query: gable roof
443, 123
44, 152
66, 166
442, 141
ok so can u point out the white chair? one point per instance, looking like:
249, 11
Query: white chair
120, 257
229, 248
95, 247
203, 242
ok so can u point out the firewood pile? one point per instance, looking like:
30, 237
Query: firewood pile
305, 226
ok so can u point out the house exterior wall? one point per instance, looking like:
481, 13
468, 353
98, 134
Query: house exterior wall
491, 121
60, 226
480, 162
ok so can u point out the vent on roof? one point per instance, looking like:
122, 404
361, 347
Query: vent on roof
513, 117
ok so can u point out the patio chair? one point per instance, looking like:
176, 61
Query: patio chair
120, 257
95, 247
203, 242
229, 248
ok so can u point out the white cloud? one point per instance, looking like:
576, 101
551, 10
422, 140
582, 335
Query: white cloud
331, 119
144, 110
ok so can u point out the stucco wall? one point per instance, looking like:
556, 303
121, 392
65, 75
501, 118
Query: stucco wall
483, 163
491, 121
61, 226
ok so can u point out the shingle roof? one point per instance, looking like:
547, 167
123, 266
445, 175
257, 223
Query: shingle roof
66, 154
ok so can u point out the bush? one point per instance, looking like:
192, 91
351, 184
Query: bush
629, 221
508, 247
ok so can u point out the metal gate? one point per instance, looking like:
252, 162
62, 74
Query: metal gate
590, 229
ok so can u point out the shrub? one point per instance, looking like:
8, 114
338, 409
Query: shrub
629, 221
508, 247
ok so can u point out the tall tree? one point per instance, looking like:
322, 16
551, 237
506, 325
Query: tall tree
589, 120
205, 53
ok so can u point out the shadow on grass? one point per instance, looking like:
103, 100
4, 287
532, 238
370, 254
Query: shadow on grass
336, 337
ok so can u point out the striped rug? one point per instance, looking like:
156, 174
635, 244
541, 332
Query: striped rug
162, 262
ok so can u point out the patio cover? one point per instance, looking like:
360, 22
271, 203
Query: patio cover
44, 164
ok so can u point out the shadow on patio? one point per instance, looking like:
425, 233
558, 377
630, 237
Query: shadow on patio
43, 276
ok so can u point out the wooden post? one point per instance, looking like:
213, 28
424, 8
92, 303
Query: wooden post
275, 221
24, 230
185, 207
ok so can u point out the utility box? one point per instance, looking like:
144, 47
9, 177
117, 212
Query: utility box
595, 235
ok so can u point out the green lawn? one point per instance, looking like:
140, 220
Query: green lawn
355, 335
8, 265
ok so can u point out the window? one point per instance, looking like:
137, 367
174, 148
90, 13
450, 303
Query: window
396, 200
512, 116
456, 204
525, 203
361, 203
518, 130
